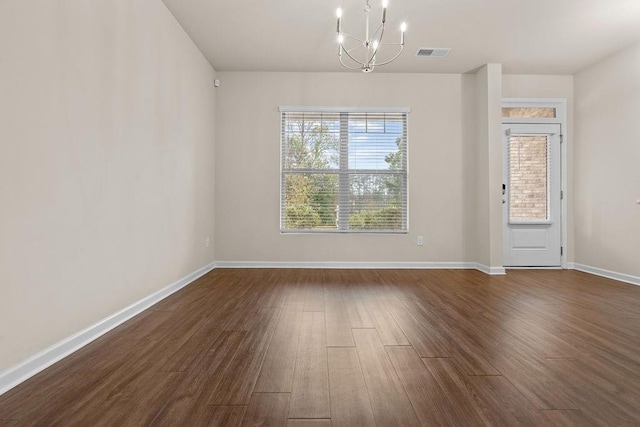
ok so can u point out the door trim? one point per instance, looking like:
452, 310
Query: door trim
560, 104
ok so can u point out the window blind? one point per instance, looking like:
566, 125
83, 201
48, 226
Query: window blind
343, 171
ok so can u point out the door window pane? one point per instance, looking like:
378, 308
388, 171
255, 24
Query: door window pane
528, 178
529, 112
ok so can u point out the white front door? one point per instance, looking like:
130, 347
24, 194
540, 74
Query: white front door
531, 195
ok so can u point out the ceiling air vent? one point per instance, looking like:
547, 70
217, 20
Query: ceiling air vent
433, 52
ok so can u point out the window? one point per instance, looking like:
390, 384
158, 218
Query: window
529, 112
528, 178
343, 171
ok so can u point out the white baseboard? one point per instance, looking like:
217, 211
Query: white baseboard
492, 271
21, 372
344, 265
362, 265
621, 277
571, 266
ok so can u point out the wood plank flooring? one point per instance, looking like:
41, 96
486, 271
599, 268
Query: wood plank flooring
287, 347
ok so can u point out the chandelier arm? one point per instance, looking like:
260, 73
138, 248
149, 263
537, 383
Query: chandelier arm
381, 26
347, 66
353, 38
352, 58
392, 59
377, 47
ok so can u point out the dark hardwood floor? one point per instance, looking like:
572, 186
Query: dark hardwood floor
357, 347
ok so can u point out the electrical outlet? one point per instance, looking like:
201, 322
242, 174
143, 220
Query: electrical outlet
207, 242
420, 241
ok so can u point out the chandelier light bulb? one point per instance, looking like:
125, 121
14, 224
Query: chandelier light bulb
403, 27
339, 13
385, 3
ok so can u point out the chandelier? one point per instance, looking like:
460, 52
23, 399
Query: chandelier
362, 54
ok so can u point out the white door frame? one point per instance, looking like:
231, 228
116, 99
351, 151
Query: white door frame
560, 104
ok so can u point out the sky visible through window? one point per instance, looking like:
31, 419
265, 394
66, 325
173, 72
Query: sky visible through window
371, 140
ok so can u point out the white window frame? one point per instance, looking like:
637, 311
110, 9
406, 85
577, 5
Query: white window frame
373, 110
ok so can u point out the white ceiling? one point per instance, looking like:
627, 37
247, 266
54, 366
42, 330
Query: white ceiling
526, 36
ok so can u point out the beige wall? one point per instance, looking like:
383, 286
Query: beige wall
538, 86
550, 86
607, 164
106, 163
248, 162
